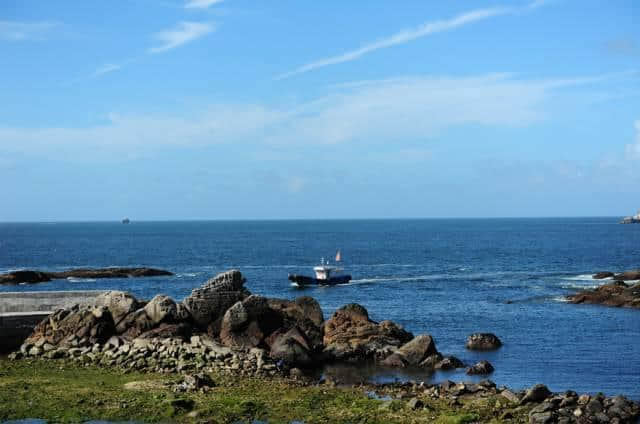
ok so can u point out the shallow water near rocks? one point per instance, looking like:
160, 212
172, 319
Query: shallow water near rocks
447, 278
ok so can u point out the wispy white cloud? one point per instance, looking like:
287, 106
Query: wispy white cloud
397, 111
20, 31
106, 68
200, 4
411, 34
401, 37
183, 33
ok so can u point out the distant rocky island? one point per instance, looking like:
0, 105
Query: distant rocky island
619, 293
31, 276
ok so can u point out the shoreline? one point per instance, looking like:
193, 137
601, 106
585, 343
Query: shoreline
223, 328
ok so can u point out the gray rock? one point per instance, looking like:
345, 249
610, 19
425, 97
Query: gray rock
119, 303
209, 302
160, 308
537, 393
418, 349
541, 418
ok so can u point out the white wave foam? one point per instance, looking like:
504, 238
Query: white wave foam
579, 286
561, 299
80, 280
581, 277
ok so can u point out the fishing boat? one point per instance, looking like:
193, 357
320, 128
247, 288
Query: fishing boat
635, 219
126, 221
325, 274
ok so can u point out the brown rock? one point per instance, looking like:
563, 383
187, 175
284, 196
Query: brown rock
351, 335
617, 293
165, 331
481, 368
93, 325
292, 347
483, 341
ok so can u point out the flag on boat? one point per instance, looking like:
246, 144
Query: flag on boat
338, 256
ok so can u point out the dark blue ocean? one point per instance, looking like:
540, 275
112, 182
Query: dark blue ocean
445, 277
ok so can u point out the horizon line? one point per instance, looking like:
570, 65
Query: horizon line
104, 221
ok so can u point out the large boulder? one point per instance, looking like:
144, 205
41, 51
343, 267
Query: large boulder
350, 335
304, 313
207, 304
412, 353
292, 348
247, 323
82, 325
163, 309
536, 393
135, 324
119, 303
483, 341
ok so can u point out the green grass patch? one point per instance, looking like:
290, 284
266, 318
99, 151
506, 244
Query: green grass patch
60, 391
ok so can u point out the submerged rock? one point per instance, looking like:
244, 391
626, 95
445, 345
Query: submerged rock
483, 341
481, 368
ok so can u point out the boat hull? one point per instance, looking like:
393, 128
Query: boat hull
303, 280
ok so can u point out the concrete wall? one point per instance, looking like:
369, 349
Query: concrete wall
46, 301
21, 311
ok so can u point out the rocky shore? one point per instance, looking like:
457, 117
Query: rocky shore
618, 293
222, 328
30, 276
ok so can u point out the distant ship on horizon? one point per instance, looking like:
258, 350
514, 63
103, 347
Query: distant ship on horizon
635, 219
125, 220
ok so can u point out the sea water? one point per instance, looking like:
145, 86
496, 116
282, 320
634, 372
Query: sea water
444, 277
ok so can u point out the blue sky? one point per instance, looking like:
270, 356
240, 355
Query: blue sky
204, 109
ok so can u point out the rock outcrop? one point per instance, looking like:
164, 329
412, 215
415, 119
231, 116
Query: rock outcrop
349, 335
483, 341
28, 276
208, 303
617, 293
412, 353
85, 325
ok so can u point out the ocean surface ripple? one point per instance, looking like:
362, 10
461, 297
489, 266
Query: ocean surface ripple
445, 277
